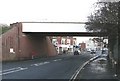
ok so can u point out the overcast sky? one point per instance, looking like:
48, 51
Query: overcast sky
45, 10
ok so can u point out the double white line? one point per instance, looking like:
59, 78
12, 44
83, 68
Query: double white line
12, 70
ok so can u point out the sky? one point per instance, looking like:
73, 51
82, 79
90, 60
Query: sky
45, 10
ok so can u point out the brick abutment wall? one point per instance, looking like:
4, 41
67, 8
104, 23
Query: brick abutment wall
19, 46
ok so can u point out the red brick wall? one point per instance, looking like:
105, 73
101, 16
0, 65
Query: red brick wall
10, 40
59, 40
0, 48
24, 44
71, 41
83, 45
41, 45
50, 48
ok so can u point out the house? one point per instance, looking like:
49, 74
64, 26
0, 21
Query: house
63, 43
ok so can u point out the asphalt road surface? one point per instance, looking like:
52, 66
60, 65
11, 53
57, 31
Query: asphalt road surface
59, 67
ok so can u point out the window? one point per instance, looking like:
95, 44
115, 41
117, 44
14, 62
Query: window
68, 41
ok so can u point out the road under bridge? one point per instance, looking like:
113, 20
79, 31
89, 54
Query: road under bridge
26, 38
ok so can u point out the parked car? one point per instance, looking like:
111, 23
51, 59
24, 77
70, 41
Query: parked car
93, 52
88, 50
76, 52
79, 51
104, 51
104, 55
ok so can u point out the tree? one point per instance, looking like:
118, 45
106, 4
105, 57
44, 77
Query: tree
4, 28
105, 19
97, 39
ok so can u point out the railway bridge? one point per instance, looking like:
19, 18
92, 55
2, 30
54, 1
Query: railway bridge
26, 38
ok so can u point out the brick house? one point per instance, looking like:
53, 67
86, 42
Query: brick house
64, 43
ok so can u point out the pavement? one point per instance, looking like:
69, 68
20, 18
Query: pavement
97, 70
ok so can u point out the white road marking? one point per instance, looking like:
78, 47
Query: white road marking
4, 72
38, 64
80, 68
10, 69
57, 60
54, 60
46, 62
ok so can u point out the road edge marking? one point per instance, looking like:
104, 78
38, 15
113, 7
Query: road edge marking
80, 68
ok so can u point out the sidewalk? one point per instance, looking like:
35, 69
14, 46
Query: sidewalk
96, 70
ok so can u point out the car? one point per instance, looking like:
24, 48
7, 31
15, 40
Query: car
79, 51
104, 55
104, 51
76, 52
93, 52
88, 50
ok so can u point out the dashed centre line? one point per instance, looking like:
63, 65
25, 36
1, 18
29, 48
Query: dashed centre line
57, 60
16, 69
42, 63
38, 64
